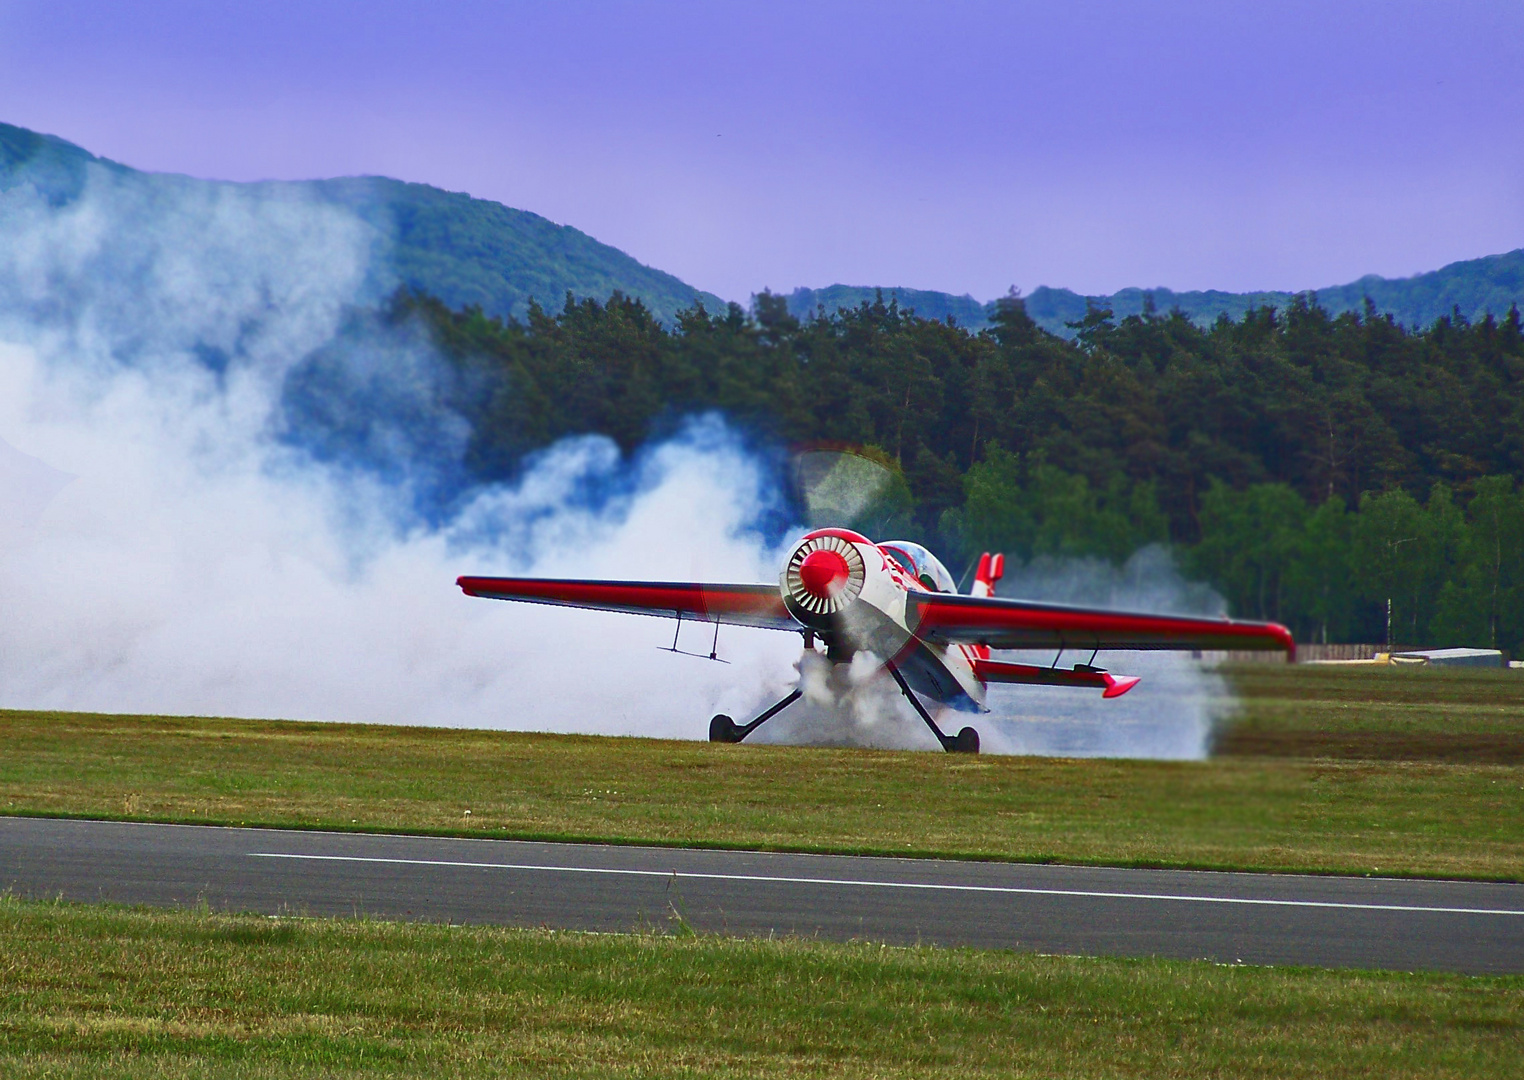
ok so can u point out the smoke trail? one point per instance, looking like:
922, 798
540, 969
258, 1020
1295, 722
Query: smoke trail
244, 535
267, 510
27, 486
848, 705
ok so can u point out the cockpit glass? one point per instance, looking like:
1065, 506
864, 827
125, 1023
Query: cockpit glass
923, 564
906, 563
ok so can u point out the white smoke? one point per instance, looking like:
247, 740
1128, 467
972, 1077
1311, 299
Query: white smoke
198, 563
852, 704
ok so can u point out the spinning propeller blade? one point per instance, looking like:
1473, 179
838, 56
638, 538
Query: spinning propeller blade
849, 490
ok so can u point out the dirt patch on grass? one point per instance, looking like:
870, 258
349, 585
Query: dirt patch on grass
1464, 748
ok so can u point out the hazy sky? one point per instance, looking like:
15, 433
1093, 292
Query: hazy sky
957, 146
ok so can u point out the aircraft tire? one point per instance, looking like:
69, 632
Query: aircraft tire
723, 729
966, 742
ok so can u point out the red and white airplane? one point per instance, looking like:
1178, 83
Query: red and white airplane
897, 601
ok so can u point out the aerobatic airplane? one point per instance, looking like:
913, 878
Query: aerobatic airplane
896, 601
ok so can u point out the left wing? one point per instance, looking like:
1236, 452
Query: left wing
742, 605
946, 618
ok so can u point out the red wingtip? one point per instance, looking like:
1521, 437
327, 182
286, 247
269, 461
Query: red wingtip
1117, 685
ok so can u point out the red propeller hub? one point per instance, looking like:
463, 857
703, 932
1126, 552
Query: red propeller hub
823, 573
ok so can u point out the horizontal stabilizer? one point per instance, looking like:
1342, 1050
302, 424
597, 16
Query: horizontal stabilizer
1080, 675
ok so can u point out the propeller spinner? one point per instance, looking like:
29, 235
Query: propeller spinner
824, 575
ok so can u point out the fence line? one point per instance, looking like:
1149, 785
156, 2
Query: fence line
1305, 652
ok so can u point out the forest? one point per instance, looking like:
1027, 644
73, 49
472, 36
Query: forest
1329, 472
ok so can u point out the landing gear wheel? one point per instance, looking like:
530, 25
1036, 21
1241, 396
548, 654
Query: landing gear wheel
723, 729
965, 742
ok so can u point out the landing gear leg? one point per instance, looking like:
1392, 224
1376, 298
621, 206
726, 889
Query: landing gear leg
723, 729
965, 742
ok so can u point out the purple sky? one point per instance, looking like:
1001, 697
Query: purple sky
956, 146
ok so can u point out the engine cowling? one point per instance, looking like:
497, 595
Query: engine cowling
824, 575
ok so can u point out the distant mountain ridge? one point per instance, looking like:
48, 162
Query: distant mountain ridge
1475, 287
469, 251
463, 250
965, 310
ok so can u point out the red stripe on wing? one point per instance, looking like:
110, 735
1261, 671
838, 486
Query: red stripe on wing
744, 605
1013, 624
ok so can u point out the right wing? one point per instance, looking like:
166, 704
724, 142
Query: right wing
945, 618
741, 605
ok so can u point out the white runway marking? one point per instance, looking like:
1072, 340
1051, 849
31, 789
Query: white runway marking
859, 883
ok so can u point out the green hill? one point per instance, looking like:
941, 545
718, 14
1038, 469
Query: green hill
465, 251
475, 252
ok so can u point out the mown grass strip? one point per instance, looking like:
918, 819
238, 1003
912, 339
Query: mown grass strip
1456, 820
106, 992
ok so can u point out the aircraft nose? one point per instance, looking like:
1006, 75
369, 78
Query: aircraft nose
823, 573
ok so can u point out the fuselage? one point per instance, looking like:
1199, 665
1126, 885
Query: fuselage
853, 594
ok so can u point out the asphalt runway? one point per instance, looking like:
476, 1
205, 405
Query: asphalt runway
1249, 918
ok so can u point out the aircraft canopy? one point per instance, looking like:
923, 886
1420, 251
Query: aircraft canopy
922, 563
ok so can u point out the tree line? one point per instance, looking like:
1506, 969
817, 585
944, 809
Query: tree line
1310, 467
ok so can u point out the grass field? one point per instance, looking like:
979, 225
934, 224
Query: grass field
1388, 816
1381, 713
103, 992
